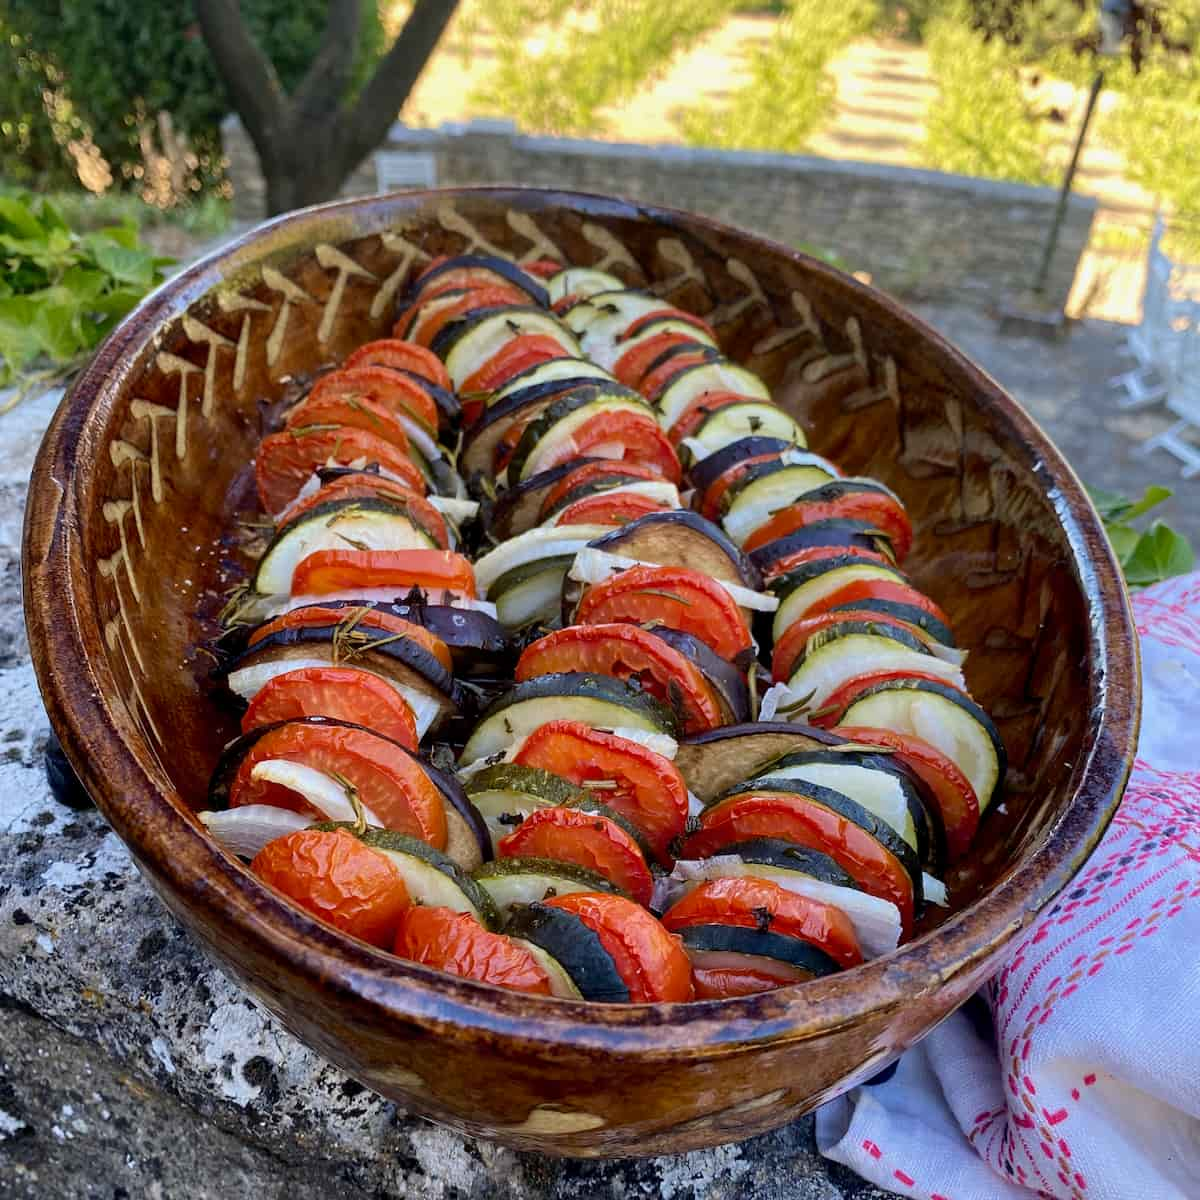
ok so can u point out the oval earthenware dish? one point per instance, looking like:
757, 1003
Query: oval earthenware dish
127, 545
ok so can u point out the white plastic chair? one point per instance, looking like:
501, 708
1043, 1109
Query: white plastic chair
1182, 375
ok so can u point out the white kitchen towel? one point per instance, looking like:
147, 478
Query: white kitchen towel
1085, 1082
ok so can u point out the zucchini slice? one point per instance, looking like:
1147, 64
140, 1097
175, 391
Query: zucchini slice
532, 546
601, 318
531, 593
512, 882
431, 877
574, 946
715, 946
663, 324
505, 794
691, 382
800, 589
945, 718
551, 431
518, 509
708, 470
910, 614
479, 449
597, 700
367, 524
467, 344
838, 653
748, 418
580, 281
554, 370
767, 489
867, 779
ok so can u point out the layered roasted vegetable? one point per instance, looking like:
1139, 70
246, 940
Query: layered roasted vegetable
696, 733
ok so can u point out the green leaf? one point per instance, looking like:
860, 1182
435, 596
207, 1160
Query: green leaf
85, 284
19, 344
56, 330
1160, 553
1111, 506
124, 264
124, 235
1124, 540
20, 219
1152, 497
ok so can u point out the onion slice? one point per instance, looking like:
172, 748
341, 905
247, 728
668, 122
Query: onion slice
246, 830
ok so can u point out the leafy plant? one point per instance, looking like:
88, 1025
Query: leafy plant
790, 92
1146, 555
61, 292
599, 57
980, 122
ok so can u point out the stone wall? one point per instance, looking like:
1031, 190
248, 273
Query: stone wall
921, 234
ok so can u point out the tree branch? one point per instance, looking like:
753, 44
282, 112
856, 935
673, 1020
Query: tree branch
249, 77
324, 84
366, 125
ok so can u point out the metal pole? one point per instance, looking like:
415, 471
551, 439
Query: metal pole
1064, 192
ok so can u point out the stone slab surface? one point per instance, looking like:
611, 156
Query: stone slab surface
130, 1067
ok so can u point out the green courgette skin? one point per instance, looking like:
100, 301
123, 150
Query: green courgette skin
575, 947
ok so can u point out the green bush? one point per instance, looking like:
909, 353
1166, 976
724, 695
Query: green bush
113, 62
619, 46
789, 92
980, 122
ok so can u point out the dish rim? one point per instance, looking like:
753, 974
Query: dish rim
84, 706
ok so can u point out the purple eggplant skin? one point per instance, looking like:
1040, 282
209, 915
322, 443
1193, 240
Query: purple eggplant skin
448, 407
708, 470
508, 271
679, 533
454, 795
837, 531
448, 336
725, 678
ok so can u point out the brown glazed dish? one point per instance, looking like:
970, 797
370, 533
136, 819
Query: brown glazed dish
139, 478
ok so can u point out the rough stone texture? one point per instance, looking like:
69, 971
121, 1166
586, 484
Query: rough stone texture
130, 1067
923, 234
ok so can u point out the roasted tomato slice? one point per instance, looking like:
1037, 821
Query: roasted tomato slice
511, 359
343, 693
659, 314
673, 596
950, 788
796, 818
400, 355
355, 412
390, 781
650, 960
457, 943
605, 509
634, 363
724, 983
365, 617
710, 504
781, 566
881, 510
337, 878
628, 652
703, 405
637, 436
329, 571
655, 381
404, 396
425, 321
365, 487
643, 786
543, 268
286, 460
790, 646
839, 700
588, 473
761, 904
878, 589
587, 839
